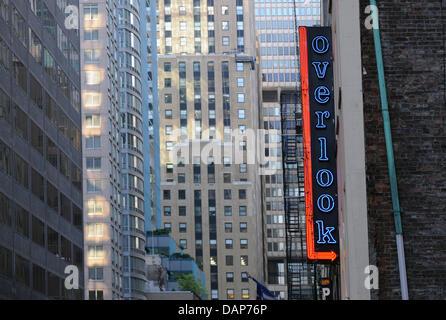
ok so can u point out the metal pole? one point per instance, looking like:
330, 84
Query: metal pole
390, 155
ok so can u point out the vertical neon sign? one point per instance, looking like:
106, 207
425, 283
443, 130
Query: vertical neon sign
319, 144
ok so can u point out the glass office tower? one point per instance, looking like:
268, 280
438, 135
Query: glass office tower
40, 151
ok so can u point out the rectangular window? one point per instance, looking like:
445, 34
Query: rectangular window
21, 171
37, 187
21, 122
38, 231
21, 221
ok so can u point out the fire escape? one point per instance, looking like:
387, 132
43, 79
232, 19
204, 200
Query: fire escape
300, 275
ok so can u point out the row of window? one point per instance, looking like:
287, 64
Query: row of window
228, 227
282, 11
227, 194
14, 266
27, 225
182, 211
25, 176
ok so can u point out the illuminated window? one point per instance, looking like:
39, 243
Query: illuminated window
230, 293
245, 293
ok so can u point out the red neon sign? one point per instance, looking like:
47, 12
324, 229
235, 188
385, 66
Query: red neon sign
312, 253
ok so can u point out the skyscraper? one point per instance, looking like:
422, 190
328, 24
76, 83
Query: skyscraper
102, 149
286, 270
208, 89
116, 93
40, 151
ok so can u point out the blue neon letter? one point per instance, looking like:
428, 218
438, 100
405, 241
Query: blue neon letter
325, 235
322, 94
320, 44
320, 119
324, 178
325, 203
323, 156
321, 71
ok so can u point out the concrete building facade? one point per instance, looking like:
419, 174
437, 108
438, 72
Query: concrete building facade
208, 87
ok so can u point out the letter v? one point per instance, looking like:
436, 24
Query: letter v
321, 71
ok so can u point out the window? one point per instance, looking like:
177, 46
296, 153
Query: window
182, 211
93, 163
92, 77
229, 260
245, 293
242, 194
167, 67
166, 194
167, 83
243, 243
91, 12
94, 185
96, 274
5, 107
228, 244
22, 270
52, 196
51, 152
91, 34
95, 295
95, 230
53, 241
240, 97
242, 210
93, 142
93, 121
21, 171
94, 207
168, 113
229, 294
228, 211
38, 231
224, 10
181, 178
243, 227
240, 66
95, 252
36, 138
37, 185
92, 55
167, 211
168, 226
21, 221
240, 82
21, 122
228, 227
181, 194
168, 98
225, 41
227, 194
182, 227
225, 25
5, 211
229, 276
243, 261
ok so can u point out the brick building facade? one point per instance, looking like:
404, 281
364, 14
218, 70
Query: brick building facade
413, 42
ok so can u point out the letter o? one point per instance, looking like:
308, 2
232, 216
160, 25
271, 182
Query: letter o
320, 44
325, 203
322, 94
324, 178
